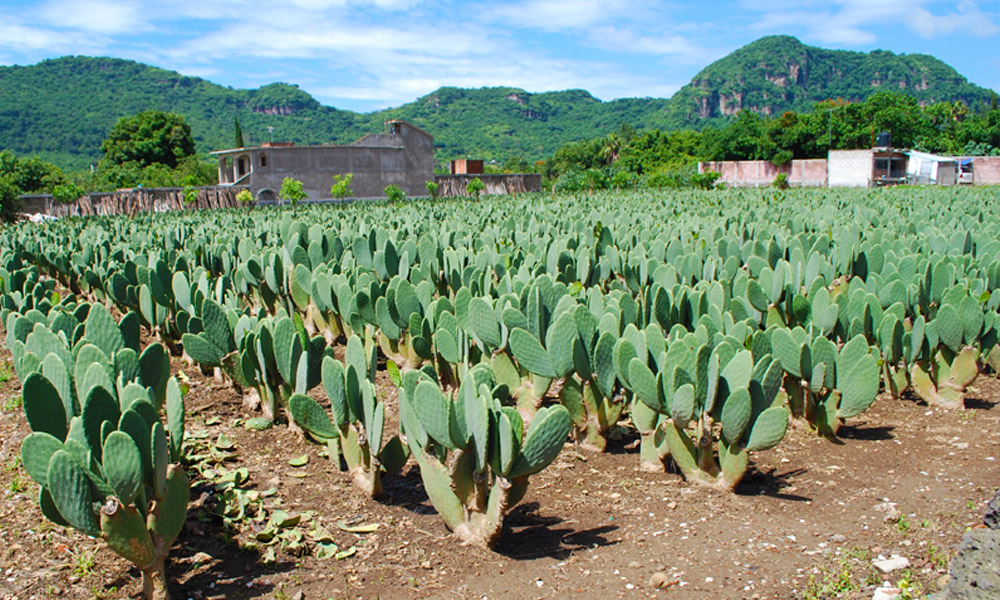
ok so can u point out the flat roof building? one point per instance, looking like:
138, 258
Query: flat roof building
403, 155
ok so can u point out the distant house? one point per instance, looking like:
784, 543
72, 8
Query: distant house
924, 168
865, 168
403, 155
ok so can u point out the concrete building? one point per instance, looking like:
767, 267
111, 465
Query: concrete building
985, 170
865, 168
403, 155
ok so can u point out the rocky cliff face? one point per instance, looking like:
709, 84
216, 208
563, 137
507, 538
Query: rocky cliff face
779, 73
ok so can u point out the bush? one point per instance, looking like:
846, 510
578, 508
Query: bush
244, 197
705, 181
291, 191
341, 187
394, 193
573, 180
782, 157
432, 189
67, 192
475, 187
781, 181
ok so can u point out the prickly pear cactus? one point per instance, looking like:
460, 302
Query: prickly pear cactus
946, 351
107, 471
474, 455
721, 407
358, 424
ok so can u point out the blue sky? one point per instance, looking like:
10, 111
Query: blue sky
369, 54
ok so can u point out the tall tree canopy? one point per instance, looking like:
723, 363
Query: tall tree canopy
148, 138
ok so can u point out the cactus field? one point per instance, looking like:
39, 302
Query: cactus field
726, 394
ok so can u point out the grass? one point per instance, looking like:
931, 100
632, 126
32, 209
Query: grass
841, 580
13, 404
84, 564
902, 524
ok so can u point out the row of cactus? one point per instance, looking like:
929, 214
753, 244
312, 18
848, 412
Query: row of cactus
557, 313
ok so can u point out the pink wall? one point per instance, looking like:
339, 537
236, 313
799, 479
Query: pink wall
986, 170
756, 173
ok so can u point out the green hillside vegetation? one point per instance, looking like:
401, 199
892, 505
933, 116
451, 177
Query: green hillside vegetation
62, 109
779, 73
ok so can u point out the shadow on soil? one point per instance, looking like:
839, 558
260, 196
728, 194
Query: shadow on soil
406, 490
865, 433
770, 483
202, 567
979, 404
528, 535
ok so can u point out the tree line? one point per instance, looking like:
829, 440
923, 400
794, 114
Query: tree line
656, 158
156, 148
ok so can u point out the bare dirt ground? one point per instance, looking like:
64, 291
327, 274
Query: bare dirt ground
807, 521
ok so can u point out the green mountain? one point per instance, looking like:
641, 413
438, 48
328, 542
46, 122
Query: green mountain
779, 73
61, 109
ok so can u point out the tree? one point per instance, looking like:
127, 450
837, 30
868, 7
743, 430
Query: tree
147, 138
238, 134
9, 203
475, 187
244, 197
291, 191
394, 193
432, 188
341, 187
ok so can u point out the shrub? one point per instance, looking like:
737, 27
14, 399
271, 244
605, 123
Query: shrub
475, 187
394, 193
244, 197
432, 189
782, 157
705, 181
341, 187
781, 181
291, 191
10, 204
67, 192
190, 195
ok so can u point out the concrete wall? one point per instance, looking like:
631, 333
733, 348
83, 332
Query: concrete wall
849, 168
507, 183
404, 157
760, 173
986, 170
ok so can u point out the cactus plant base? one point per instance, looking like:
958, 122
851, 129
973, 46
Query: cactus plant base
154, 582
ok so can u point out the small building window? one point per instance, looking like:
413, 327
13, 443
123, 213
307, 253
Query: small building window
263, 160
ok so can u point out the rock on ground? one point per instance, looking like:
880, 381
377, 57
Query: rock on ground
975, 570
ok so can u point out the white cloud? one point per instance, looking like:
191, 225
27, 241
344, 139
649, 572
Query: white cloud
20, 37
555, 15
95, 16
855, 22
661, 44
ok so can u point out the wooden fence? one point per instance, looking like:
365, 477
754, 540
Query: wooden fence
136, 200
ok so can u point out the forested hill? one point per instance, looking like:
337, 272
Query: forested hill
779, 73
61, 109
